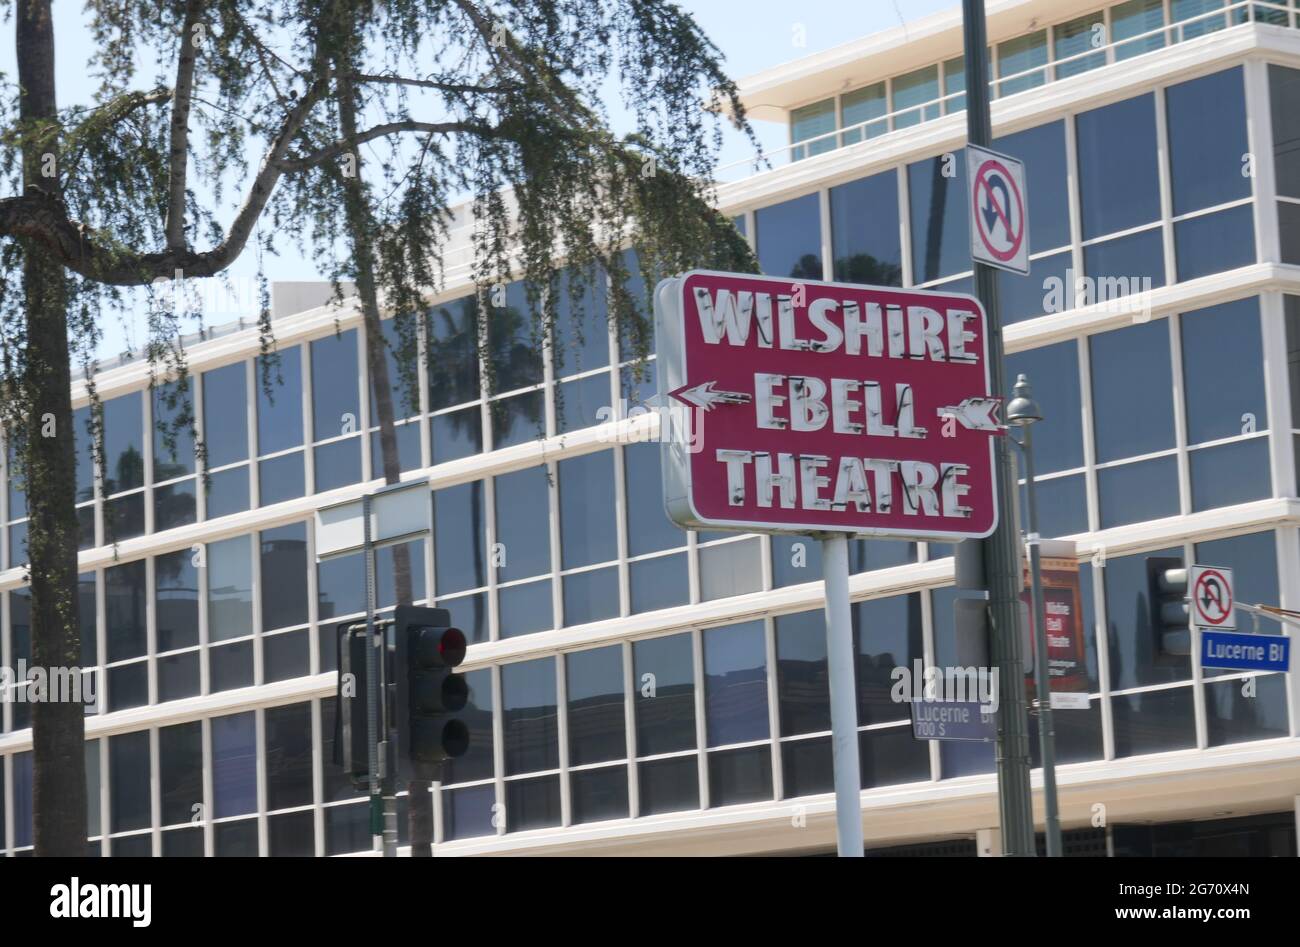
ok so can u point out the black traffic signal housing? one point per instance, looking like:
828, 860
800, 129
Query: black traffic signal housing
1168, 610
351, 739
427, 693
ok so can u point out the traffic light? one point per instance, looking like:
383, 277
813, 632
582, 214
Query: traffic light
427, 693
351, 739
1167, 601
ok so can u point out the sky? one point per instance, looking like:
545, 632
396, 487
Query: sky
753, 35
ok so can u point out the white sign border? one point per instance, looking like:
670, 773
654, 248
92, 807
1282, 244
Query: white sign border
978, 252
670, 349
1193, 575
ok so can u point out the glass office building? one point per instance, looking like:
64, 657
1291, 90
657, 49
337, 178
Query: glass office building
641, 689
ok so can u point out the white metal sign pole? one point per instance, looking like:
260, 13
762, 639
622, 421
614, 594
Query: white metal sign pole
844, 698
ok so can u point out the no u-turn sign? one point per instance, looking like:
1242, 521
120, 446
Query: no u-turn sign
999, 210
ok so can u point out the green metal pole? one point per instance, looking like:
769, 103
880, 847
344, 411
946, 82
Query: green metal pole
1001, 552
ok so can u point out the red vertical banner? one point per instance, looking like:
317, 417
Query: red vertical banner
1063, 603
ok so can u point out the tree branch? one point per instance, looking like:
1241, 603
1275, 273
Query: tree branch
441, 86
180, 128
322, 155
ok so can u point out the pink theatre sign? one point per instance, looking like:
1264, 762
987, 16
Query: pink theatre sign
808, 407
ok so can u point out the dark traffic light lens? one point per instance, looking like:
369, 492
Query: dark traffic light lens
455, 693
455, 739
451, 646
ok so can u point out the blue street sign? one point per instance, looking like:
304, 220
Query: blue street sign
1229, 649
953, 720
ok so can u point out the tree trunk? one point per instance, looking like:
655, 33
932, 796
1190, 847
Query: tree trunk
360, 227
58, 726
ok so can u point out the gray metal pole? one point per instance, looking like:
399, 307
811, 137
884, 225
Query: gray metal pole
1042, 674
1000, 551
844, 698
383, 801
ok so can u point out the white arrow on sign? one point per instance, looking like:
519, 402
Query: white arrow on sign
707, 397
975, 414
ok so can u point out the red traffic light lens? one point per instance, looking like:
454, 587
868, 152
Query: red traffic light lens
451, 647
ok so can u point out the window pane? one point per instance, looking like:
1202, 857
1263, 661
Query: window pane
532, 803
228, 492
173, 505
128, 774
581, 327
459, 537
1133, 493
467, 813
810, 122
125, 590
1075, 38
342, 586
225, 414
231, 666
514, 349
1284, 109
802, 686
518, 419
915, 89
1207, 140
661, 582
739, 776
406, 439
178, 676
1230, 473
862, 105
525, 609
648, 527
1132, 388
1053, 372
807, 767
180, 771
1153, 722
587, 531
279, 401
528, 705
401, 358
456, 434
887, 632
664, 685
1018, 55
280, 479
123, 443
452, 353
788, 237
1119, 188
583, 402
173, 437
469, 614
1062, 505
731, 569
795, 559
1135, 18
523, 524
735, 684
1215, 242
940, 234
1222, 343
1231, 717
291, 834
597, 731
230, 589
334, 379
284, 576
1186, 9
128, 686
599, 794
177, 600
864, 231
670, 785
890, 757
285, 656
591, 596
234, 765
288, 756
1123, 267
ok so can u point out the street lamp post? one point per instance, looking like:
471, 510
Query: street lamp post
1022, 412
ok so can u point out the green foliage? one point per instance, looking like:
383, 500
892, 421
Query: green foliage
490, 106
